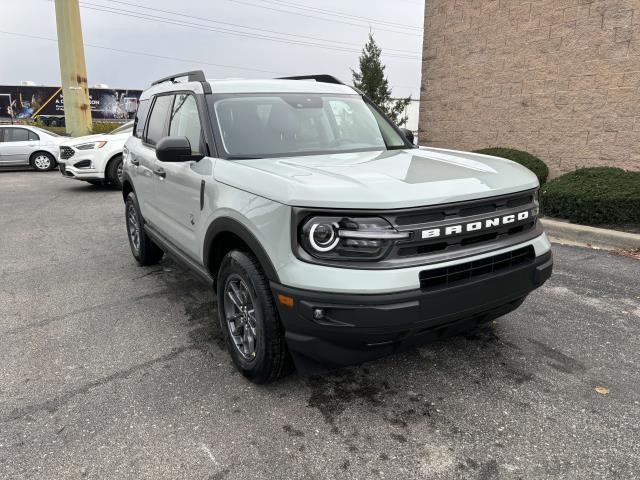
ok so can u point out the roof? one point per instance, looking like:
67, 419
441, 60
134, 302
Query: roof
255, 86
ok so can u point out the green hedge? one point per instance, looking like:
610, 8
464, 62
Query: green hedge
98, 127
594, 195
534, 164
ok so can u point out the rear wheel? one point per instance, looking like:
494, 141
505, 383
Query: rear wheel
43, 161
249, 319
114, 172
142, 247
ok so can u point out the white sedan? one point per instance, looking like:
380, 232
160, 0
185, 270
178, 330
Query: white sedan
27, 145
95, 158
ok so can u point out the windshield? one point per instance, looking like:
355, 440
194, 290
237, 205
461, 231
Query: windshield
126, 128
270, 125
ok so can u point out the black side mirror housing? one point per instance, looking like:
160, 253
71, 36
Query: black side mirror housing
175, 149
408, 134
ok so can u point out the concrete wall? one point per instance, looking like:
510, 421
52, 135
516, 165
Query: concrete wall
559, 78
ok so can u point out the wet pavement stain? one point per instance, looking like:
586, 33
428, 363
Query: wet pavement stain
332, 393
292, 432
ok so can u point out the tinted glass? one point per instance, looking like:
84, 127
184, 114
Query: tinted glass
299, 124
157, 119
141, 118
33, 136
16, 135
185, 121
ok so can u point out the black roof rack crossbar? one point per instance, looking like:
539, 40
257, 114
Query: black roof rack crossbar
323, 78
192, 76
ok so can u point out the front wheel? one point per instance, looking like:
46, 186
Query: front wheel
142, 247
249, 319
43, 161
114, 172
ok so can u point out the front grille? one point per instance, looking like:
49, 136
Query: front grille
66, 152
477, 212
463, 272
465, 209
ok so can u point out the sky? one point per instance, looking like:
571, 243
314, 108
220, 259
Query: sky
225, 38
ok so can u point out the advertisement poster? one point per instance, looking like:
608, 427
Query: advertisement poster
29, 102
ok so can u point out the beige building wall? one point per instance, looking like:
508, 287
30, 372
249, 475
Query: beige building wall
558, 78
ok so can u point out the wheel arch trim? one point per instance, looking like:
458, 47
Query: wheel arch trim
223, 225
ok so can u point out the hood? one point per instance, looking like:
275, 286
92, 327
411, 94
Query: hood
86, 139
381, 180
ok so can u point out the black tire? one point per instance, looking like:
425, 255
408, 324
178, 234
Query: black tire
114, 172
54, 122
269, 359
43, 161
145, 252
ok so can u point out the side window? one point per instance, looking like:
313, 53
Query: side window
2, 134
16, 135
158, 119
141, 118
185, 121
33, 136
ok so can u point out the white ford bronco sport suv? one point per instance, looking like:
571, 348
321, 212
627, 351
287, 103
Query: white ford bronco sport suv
329, 238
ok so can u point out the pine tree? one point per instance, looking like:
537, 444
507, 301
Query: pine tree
371, 81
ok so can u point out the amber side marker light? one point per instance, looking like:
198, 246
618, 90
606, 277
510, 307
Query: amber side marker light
285, 300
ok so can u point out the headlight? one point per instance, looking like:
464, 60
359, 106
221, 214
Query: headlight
90, 145
344, 238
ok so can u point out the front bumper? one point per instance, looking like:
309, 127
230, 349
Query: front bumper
69, 171
358, 328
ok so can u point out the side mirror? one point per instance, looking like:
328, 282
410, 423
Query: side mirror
175, 149
408, 134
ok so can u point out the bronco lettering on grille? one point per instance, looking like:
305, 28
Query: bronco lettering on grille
478, 226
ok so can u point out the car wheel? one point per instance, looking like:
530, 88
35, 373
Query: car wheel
114, 172
142, 247
43, 161
249, 319
54, 122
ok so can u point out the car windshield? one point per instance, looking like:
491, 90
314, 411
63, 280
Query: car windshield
275, 125
126, 128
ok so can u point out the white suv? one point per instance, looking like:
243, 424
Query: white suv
329, 238
95, 158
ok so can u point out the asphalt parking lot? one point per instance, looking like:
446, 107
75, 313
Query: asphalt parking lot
109, 370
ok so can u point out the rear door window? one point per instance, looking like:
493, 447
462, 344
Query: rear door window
16, 135
141, 118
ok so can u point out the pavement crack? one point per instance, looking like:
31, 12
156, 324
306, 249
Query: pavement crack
57, 318
52, 405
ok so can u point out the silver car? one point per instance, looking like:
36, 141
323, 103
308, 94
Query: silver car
27, 145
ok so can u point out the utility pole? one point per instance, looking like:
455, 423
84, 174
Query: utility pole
73, 70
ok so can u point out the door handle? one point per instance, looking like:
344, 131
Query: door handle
160, 172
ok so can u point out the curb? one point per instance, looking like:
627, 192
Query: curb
564, 232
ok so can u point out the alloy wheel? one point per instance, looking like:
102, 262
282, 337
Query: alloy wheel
134, 227
119, 172
240, 313
42, 162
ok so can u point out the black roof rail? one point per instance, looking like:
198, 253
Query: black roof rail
323, 78
192, 76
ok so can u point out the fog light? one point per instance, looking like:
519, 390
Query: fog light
318, 313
